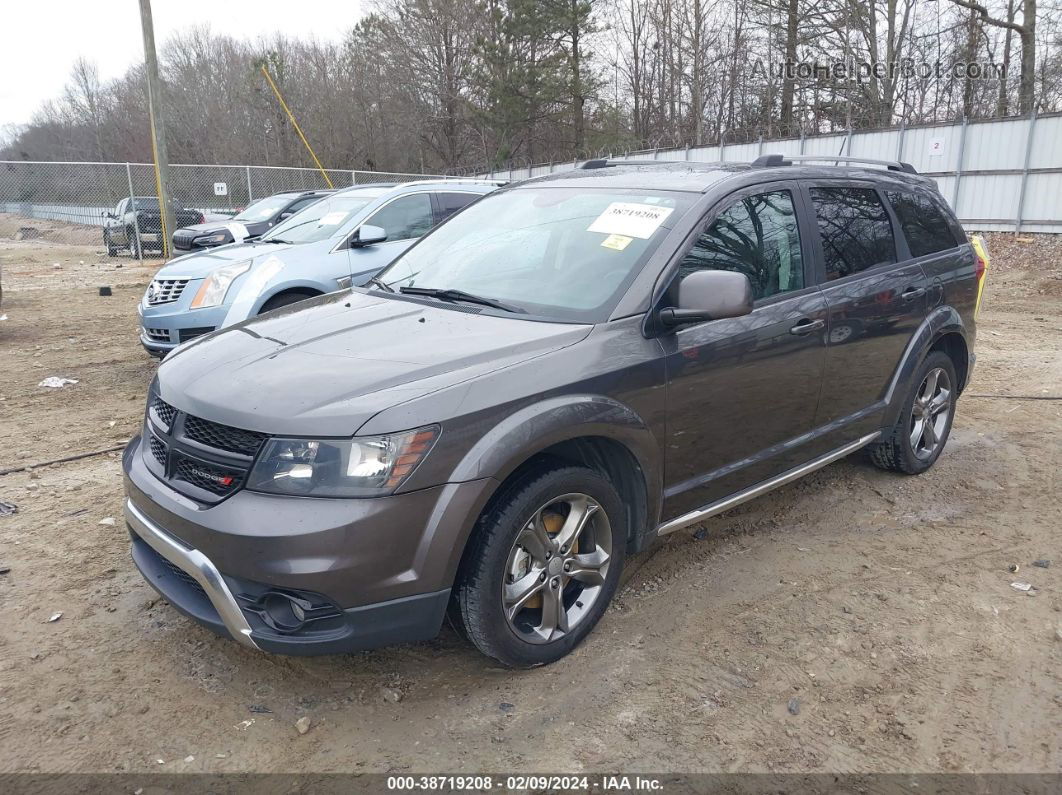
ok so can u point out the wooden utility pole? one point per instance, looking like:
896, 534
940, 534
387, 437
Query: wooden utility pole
158, 126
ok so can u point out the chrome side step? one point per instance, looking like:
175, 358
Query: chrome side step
752, 492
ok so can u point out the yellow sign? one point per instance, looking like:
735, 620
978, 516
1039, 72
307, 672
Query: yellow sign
616, 242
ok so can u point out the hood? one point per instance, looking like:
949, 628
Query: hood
202, 229
199, 263
196, 230
326, 366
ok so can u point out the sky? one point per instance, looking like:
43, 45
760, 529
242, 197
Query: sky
40, 39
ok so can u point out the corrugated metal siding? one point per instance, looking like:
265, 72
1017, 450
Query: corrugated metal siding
986, 201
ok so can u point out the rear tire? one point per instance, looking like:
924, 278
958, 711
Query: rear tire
543, 566
914, 443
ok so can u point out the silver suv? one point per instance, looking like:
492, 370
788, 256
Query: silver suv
341, 240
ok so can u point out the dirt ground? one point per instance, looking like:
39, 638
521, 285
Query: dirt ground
879, 608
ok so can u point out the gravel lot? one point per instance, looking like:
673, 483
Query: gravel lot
878, 608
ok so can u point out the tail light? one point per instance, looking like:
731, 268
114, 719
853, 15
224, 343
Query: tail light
202, 218
980, 268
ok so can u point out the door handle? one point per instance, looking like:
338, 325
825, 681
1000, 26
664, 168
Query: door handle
806, 326
911, 293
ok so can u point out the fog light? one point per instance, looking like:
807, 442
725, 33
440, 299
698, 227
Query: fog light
283, 612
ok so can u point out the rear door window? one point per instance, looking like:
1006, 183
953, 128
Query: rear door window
757, 236
923, 223
855, 230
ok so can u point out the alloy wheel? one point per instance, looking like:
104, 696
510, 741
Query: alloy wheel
930, 413
557, 568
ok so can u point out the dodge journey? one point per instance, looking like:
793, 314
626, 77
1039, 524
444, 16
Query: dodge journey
569, 368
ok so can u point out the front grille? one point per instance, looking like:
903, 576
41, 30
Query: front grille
165, 291
205, 460
157, 334
209, 478
225, 437
158, 450
186, 334
177, 571
164, 411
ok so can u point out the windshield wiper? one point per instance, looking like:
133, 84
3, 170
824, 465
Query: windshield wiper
272, 240
460, 295
382, 284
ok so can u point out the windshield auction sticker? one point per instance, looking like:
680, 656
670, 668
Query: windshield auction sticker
630, 219
331, 219
616, 242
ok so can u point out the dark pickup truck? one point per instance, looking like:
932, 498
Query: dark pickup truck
136, 224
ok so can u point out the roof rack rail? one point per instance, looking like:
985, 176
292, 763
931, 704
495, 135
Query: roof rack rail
464, 180
589, 165
787, 160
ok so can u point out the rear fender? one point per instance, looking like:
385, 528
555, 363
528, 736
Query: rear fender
942, 320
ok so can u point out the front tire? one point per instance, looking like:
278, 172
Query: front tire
917, 439
135, 249
543, 566
112, 249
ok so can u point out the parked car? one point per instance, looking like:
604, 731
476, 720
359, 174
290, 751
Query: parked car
136, 224
568, 369
250, 224
342, 239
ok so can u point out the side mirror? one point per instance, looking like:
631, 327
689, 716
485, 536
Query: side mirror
284, 216
107, 214
710, 295
367, 235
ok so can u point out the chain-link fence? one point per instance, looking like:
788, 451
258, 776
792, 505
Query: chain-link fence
70, 202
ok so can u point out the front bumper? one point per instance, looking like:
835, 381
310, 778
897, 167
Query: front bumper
385, 566
165, 326
196, 565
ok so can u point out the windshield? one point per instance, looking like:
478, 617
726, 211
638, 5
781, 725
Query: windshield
321, 219
561, 253
261, 210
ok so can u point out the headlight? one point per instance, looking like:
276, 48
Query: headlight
212, 293
217, 237
368, 466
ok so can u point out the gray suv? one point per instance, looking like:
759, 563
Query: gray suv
568, 369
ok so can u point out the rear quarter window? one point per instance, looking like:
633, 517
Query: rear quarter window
855, 229
923, 223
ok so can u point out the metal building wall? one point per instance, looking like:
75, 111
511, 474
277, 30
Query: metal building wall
998, 175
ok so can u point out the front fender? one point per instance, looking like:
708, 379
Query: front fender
292, 284
942, 320
534, 428
260, 284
